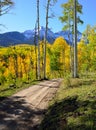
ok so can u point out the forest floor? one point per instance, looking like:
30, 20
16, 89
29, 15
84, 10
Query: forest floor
26, 109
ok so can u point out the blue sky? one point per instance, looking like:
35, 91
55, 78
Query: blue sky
23, 15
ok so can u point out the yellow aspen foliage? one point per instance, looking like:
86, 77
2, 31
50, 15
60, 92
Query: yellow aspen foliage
49, 46
61, 46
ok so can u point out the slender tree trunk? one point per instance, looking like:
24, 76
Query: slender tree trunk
75, 40
21, 73
35, 51
38, 40
47, 13
71, 46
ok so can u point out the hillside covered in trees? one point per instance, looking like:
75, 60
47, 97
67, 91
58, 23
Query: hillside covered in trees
20, 62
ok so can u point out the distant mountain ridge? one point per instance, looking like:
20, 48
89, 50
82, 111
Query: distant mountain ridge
28, 36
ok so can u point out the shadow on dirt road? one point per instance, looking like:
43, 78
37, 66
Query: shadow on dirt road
16, 114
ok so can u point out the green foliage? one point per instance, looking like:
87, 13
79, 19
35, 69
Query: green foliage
68, 14
2, 79
54, 61
88, 50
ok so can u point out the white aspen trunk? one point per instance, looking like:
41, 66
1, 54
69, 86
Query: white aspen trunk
38, 40
75, 40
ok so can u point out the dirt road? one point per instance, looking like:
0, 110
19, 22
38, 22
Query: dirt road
25, 109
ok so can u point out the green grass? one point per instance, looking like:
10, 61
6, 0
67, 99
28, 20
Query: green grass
10, 88
74, 106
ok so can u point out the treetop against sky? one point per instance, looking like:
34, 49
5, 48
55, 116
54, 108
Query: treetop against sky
23, 15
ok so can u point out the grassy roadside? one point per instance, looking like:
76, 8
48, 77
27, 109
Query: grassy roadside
74, 107
9, 89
